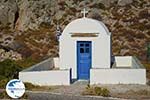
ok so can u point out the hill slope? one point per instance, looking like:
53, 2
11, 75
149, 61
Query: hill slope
28, 26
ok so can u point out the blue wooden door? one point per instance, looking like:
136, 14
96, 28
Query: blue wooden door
83, 59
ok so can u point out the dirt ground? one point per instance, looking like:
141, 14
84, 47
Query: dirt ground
130, 91
148, 73
138, 92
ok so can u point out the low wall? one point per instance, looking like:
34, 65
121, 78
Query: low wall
46, 78
136, 63
42, 66
117, 76
123, 61
56, 62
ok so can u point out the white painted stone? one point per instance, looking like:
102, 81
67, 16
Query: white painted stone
56, 62
123, 61
46, 78
101, 45
117, 76
126, 71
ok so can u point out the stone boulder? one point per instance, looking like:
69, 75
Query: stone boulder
8, 13
33, 13
124, 2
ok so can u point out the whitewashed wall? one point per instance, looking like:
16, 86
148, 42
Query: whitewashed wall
101, 45
56, 62
117, 76
46, 78
123, 61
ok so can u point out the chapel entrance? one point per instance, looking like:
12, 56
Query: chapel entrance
83, 59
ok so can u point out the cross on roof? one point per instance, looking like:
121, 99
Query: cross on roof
84, 12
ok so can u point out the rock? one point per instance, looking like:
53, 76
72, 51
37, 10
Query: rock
95, 14
124, 2
124, 52
9, 55
15, 45
33, 13
2, 51
8, 13
106, 3
6, 39
59, 15
126, 23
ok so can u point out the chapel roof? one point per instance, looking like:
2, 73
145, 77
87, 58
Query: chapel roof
86, 25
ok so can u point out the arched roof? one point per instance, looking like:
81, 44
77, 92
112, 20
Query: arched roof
86, 25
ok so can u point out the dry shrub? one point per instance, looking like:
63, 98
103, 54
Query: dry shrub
139, 92
144, 14
96, 91
3, 95
30, 86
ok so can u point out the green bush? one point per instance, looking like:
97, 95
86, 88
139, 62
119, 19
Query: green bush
30, 86
2, 77
105, 92
3, 83
9, 69
97, 91
24, 63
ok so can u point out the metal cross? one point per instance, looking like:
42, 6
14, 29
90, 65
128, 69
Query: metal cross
84, 12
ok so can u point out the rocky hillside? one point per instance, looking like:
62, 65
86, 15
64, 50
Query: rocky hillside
28, 26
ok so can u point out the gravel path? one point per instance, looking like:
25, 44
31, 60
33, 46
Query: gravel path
130, 91
74, 92
78, 87
52, 96
122, 88
75, 89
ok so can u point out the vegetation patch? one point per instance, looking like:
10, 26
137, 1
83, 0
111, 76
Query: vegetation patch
26, 62
30, 86
9, 69
147, 65
3, 83
137, 93
96, 91
3, 95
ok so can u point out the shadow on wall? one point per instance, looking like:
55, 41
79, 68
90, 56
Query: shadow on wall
42, 66
112, 61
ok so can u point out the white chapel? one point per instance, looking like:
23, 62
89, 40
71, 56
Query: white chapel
85, 43
85, 53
